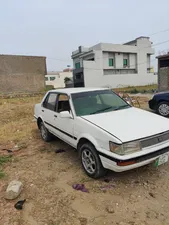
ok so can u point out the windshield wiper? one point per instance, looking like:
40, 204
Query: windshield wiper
101, 110
122, 107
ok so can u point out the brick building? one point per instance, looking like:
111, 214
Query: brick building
163, 72
22, 73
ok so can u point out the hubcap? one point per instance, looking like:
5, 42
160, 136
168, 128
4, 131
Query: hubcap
43, 132
164, 109
88, 161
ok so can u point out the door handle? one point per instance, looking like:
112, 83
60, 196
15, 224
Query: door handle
55, 115
42, 110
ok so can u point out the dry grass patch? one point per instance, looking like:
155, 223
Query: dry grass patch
3, 159
137, 89
16, 125
16, 121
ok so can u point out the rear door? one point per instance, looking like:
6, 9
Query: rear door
49, 111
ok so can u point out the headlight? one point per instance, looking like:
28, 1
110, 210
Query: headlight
125, 149
131, 147
116, 148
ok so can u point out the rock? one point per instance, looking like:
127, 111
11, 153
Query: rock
152, 194
13, 190
19, 204
109, 209
131, 222
146, 184
136, 182
16, 147
83, 221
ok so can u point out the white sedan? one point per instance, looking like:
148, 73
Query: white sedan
107, 132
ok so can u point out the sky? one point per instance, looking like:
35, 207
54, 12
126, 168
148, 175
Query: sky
55, 28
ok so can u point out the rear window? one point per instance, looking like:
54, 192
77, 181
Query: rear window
50, 101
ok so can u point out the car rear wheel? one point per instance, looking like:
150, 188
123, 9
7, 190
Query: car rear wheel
90, 161
163, 109
45, 134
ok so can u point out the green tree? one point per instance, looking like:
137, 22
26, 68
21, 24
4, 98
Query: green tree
67, 79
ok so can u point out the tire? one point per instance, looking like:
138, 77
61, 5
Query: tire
90, 161
163, 109
45, 134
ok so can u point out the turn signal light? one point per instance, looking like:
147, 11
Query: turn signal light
127, 163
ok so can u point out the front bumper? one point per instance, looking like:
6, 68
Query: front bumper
124, 165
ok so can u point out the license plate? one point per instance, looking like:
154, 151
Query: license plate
161, 160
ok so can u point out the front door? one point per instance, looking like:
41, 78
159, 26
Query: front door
65, 126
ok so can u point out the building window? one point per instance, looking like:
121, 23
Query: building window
77, 65
52, 78
111, 63
78, 76
125, 62
46, 78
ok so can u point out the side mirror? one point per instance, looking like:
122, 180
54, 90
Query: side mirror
65, 114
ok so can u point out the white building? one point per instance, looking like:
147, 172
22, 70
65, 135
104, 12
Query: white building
57, 79
114, 65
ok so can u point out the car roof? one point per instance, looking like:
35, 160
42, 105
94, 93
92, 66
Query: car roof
163, 92
69, 91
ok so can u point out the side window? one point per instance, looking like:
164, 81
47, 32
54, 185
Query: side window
63, 103
50, 101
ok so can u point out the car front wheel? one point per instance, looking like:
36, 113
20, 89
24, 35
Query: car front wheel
45, 134
90, 161
163, 109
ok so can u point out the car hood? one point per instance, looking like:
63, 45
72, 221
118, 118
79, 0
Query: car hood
130, 124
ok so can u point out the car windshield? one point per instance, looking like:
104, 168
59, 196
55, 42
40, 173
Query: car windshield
94, 102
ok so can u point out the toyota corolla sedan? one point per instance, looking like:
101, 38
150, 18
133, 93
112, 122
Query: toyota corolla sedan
107, 132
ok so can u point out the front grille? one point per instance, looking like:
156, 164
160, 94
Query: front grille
154, 140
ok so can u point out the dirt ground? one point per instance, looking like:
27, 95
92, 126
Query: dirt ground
137, 197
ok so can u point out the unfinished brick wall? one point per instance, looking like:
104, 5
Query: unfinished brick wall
22, 73
163, 79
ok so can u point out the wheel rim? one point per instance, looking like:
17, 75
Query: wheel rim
43, 131
88, 161
164, 109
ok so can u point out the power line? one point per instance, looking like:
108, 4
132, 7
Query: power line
162, 31
160, 43
58, 59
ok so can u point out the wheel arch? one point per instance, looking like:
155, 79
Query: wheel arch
158, 102
86, 139
162, 100
39, 120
